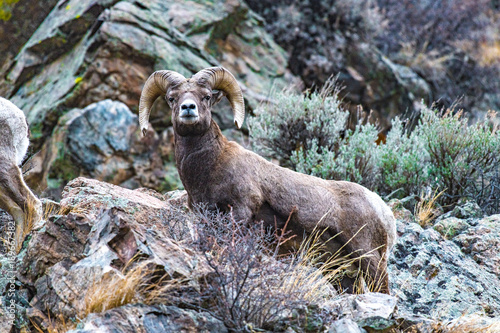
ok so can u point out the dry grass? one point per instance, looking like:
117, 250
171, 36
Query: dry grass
58, 325
489, 53
50, 209
138, 283
432, 63
309, 272
371, 284
75, 210
312, 252
425, 209
116, 290
29, 219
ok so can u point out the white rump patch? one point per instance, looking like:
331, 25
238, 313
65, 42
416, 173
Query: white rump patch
21, 150
385, 214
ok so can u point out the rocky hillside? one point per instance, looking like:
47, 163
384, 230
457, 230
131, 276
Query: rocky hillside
119, 251
390, 54
84, 52
66, 55
112, 259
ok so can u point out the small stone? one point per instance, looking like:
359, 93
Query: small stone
345, 325
451, 226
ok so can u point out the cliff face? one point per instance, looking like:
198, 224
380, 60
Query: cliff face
88, 51
66, 55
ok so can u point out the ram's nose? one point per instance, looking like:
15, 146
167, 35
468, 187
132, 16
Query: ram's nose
189, 110
189, 104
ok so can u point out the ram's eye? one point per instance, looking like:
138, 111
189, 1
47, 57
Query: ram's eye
171, 99
208, 97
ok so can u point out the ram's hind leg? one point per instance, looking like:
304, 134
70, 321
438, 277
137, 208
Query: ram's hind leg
7, 204
17, 199
367, 273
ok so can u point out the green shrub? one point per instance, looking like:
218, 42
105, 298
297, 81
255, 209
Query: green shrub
309, 134
464, 159
296, 122
403, 162
354, 159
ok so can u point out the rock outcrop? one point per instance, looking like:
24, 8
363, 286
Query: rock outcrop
142, 318
87, 51
91, 238
445, 278
110, 258
102, 141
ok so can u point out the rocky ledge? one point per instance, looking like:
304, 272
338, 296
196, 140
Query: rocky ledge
110, 259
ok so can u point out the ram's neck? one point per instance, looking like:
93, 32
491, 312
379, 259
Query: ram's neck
196, 156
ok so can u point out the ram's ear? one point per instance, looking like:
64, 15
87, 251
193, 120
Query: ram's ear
216, 97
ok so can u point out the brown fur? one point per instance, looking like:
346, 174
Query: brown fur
223, 174
15, 196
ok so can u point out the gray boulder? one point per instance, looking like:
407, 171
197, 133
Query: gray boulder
102, 141
433, 278
133, 318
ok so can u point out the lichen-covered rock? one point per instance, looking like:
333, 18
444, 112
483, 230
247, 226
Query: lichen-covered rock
450, 227
98, 232
400, 211
92, 197
6, 316
18, 21
482, 243
236, 37
466, 210
102, 141
434, 278
64, 287
141, 318
62, 238
87, 51
114, 240
360, 307
344, 325
372, 311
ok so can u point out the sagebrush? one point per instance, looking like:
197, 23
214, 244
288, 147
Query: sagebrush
442, 151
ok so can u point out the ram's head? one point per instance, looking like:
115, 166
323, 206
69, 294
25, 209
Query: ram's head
191, 99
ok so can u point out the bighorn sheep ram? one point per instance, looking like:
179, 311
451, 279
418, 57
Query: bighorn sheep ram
15, 196
221, 173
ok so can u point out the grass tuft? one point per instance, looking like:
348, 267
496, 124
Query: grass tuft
59, 325
116, 290
425, 209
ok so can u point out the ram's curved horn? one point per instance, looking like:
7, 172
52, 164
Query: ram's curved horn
156, 85
219, 78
